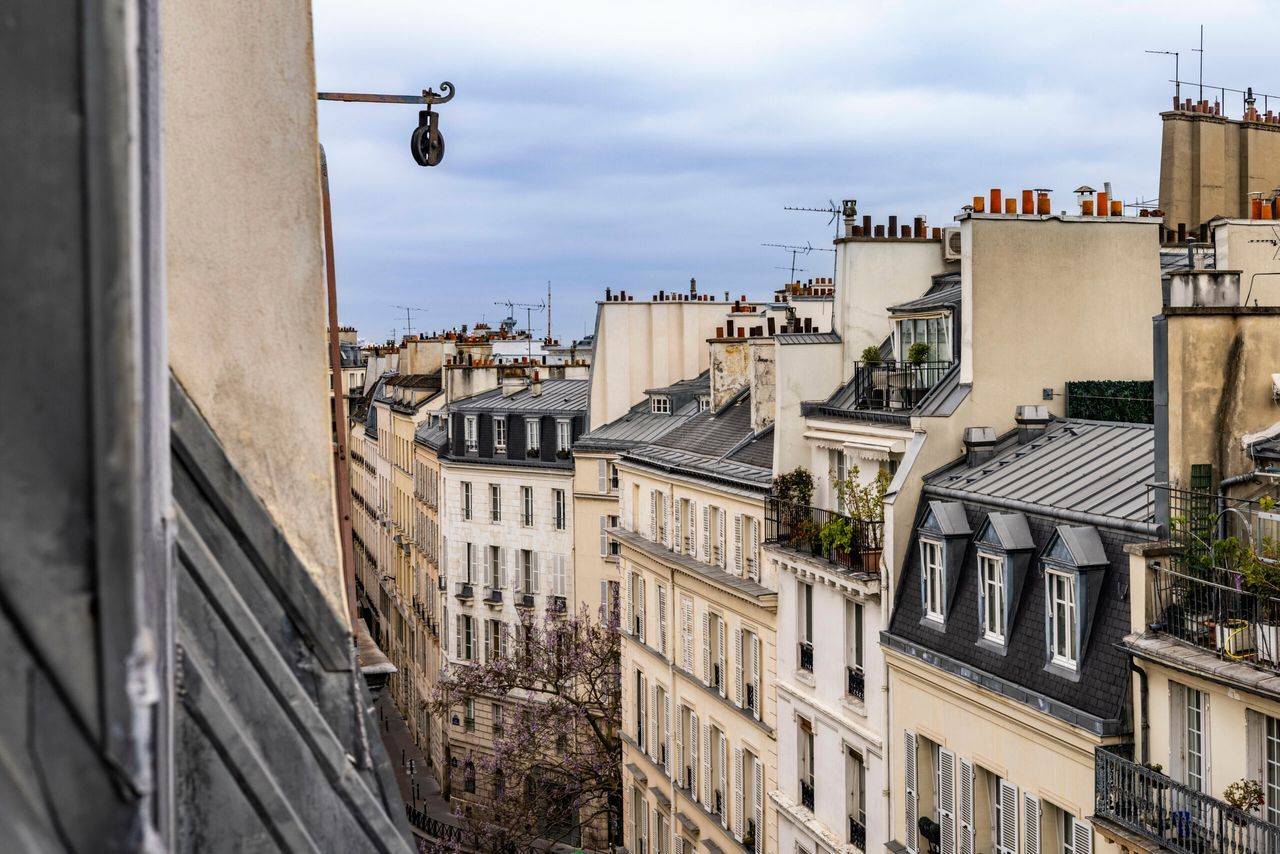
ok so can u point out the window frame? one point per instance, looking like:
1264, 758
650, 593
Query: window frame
934, 578
660, 404
526, 506
1068, 579
533, 435
561, 509
495, 503
468, 501
564, 435
471, 433
499, 433
986, 585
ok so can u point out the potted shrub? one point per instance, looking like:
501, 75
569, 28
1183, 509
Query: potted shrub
918, 354
793, 491
1245, 795
1260, 575
871, 356
837, 538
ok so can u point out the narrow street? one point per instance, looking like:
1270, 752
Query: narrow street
427, 809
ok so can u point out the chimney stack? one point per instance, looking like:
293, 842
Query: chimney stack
1032, 420
979, 445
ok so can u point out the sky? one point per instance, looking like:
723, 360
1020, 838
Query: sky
637, 145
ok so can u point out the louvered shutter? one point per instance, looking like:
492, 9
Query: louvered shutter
537, 573
724, 652
737, 793
706, 534
1082, 836
737, 667
911, 786
708, 799
1177, 731
724, 537
666, 720
758, 790
653, 721
502, 567
602, 476
640, 608
692, 781
692, 534
631, 826
662, 619
706, 648
737, 543
755, 677
488, 641
753, 549
457, 647
653, 515
668, 510
964, 798
677, 842
947, 800
677, 542
628, 606
724, 782
1255, 738
686, 627
604, 538
1030, 824
1007, 832
677, 759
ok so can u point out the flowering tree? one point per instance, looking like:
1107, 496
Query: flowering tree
554, 769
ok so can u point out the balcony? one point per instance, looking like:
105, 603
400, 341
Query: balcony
1209, 608
894, 386
524, 600
557, 605
493, 597
855, 543
465, 591
806, 656
857, 833
1173, 816
806, 795
857, 683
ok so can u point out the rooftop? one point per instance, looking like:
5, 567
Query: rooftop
641, 425
556, 396
943, 293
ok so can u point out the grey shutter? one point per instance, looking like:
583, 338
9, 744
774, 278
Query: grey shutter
724, 652
1255, 737
686, 623
706, 648
602, 476
1177, 731
706, 534
964, 807
653, 515
737, 543
737, 667
662, 618
1030, 824
947, 800
1082, 836
1007, 832
708, 798
911, 785
737, 794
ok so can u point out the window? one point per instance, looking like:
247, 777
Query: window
526, 506
642, 692
527, 584
1067, 830
661, 833
615, 548
471, 563
854, 650
719, 774
500, 434
1194, 741
466, 500
532, 436
613, 477
559, 579
991, 579
704, 403
495, 567
804, 752
495, 503
466, 638
934, 331
934, 582
561, 509
839, 472
1062, 618
660, 723
804, 615
749, 673
636, 605
563, 437
473, 444
495, 640
660, 404
716, 641
751, 547
855, 782
640, 821
1271, 769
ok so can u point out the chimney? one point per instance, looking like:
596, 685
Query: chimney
1032, 420
979, 445
1208, 288
535, 388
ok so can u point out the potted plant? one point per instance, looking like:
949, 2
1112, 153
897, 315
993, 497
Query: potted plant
871, 355
918, 354
1245, 795
837, 538
793, 491
1260, 575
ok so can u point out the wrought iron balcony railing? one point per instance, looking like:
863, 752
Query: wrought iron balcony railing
1175, 816
806, 795
1210, 608
894, 386
857, 833
857, 683
806, 656
853, 545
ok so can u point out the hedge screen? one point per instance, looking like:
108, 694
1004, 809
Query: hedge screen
1112, 400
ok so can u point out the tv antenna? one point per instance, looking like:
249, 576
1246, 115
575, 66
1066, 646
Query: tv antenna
529, 309
1200, 50
1177, 80
408, 318
796, 250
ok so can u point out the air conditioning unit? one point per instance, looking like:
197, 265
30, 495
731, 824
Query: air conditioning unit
951, 244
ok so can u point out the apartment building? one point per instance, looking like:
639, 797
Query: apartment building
698, 610
506, 478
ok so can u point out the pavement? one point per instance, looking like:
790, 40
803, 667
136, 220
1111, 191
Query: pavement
418, 786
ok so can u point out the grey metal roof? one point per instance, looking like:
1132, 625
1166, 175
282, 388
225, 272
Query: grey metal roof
431, 436
1084, 543
556, 396
1265, 449
1011, 530
947, 518
944, 293
1092, 467
945, 397
807, 338
639, 426
717, 444
742, 585
1175, 258
701, 384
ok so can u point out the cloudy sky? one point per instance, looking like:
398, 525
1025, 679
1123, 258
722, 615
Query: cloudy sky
639, 144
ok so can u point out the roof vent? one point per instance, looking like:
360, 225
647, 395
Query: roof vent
979, 445
951, 244
1032, 419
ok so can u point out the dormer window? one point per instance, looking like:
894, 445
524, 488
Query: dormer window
935, 577
500, 434
934, 331
1004, 548
473, 444
1074, 566
1063, 646
991, 579
942, 531
660, 404
704, 403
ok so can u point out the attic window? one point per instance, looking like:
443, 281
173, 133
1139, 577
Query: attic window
933, 575
704, 403
1074, 564
1004, 548
660, 404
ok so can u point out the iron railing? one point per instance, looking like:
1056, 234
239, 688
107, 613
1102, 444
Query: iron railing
894, 386
1209, 608
1175, 816
806, 656
800, 527
806, 795
857, 834
857, 683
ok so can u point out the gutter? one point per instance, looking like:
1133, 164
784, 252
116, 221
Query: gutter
1148, 529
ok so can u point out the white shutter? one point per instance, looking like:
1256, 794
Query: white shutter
686, 626
706, 648
758, 788
708, 799
1082, 833
502, 567
457, 647
1255, 739
737, 667
692, 533
653, 515
1007, 832
947, 800
488, 641
964, 800
724, 652
724, 537
676, 763
604, 538
640, 608
737, 793
602, 476
653, 721
662, 618
693, 754
671, 754
668, 510
537, 573
912, 832
724, 782
737, 542
755, 676
1177, 731
677, 542
1030, 824
628, 607
677, 842
706, 534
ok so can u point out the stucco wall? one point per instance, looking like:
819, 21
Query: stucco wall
1252, 247
1209, 165
244, 260
803, 372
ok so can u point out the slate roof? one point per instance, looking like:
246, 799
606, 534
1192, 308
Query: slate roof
943, 293
1093, 467
558, 396
1175, 258
719, 445
436, 437
640, 425
807, 338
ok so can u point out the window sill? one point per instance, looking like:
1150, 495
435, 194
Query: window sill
997, 647
853, 704
1070, 673
806, 677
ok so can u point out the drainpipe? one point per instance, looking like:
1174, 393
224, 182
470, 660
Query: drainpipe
1223, 486
1145, 743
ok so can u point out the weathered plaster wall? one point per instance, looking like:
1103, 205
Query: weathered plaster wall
762, 353
1210, 164
244, 259
730, 368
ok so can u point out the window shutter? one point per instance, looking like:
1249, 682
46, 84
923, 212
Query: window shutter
1255, 737
755, 676
947, 800
458, 626
662, 619
758, 790
604, 538
677, 542
602, 476
488, 641
693, 754
737, 794
706, 648
631, 826
724, 536
965, 807
1030, 824
627, 605
1007, 838
677, 759
653, 515
737, 666
706, 534
724, 652
753, 550
737, 543
537, 573
653, 721
1177, 731
692, 533
909, 783
677, 843
1082, 833
666, 719
668, 510
686, 618
640, 608
502, 567
724, 782
708, 799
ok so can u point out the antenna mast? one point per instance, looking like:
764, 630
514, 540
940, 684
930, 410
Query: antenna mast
796, 250
548, 311
408, 320
835, 217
